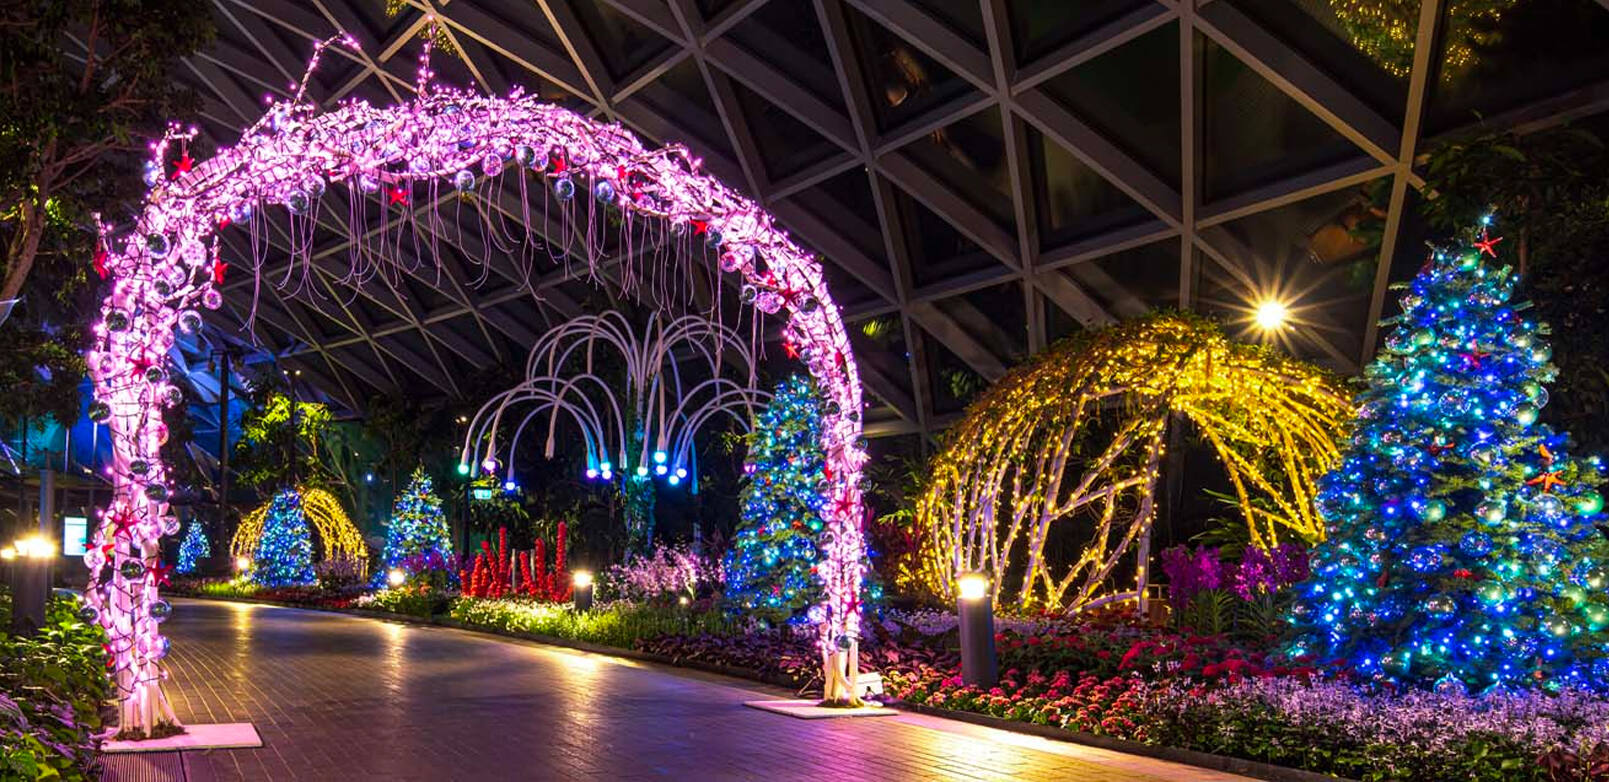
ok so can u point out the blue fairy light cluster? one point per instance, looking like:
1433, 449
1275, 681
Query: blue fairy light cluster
418, 527
284, 554
1463, 549
770, 567
194, 548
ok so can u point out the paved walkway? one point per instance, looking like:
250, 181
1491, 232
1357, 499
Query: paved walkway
345, 698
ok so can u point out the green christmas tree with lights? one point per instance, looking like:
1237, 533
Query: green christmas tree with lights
769, 569
1463, 549
284, 554
418, 526
194, 548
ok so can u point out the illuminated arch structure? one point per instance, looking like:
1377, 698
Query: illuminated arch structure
1077, 436
337, 535
168, 263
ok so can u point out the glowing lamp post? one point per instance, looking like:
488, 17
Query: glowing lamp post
582, 582
976, 611
30, 560
395, 577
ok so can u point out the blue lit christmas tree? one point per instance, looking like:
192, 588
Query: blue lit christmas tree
1462, 550
417, 525
284, 554
193, 549
769, 567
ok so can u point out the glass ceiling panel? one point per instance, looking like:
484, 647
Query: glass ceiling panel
902, 80
969, 156
1038, 27
1501, 54
1366, 44
1252, 133
1131, 95
623, 43
1072, 200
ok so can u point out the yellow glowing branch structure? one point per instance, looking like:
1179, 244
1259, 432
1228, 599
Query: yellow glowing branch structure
1079, 432
336, 532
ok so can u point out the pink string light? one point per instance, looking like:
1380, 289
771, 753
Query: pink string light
168, 266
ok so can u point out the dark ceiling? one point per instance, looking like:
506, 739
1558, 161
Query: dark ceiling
979, 177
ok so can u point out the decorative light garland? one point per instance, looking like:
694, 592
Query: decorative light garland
636, 431
1023, 458
170, 261
337, 535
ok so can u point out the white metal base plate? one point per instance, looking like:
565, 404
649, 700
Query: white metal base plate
808, 710
228, 735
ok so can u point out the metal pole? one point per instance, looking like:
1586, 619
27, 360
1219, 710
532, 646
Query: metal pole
291, 380
47, 502
223, 439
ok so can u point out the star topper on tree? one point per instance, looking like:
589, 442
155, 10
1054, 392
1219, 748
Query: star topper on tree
1464, 548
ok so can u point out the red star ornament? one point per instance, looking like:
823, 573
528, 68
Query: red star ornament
398, 196
1487, 245
160, 573
122, 524
100, 263
218, 269
1546, 480
182, 165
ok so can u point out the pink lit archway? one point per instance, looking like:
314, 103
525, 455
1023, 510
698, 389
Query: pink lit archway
168, 264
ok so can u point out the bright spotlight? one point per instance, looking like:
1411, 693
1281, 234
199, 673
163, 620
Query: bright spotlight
973, 586
396, 577
1272, 314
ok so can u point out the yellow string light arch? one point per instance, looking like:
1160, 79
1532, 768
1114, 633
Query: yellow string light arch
1079, 432
337, 534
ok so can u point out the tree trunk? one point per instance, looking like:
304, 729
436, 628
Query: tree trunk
24, 248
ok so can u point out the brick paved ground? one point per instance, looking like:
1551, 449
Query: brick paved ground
343, 698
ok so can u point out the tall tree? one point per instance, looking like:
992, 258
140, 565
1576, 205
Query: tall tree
1462, 544
84, 85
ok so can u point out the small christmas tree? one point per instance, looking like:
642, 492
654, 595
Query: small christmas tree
194, 548
284, 554
769, 569
1462, 543
417, 526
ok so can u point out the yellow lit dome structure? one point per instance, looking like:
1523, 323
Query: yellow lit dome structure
1067, 449
337, 535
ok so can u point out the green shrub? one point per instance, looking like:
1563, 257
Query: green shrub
52, 688
619, 624
422, 601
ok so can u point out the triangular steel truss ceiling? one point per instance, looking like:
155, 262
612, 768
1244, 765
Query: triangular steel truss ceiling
980, 176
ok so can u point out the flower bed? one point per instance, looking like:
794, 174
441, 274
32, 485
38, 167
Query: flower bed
51, 690
1206, 694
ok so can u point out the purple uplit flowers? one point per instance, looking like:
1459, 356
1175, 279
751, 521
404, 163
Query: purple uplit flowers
1259, 571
